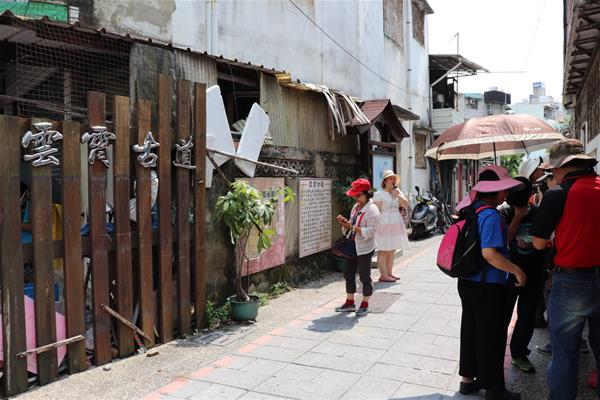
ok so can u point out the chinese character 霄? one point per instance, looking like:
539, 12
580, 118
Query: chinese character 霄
98, 141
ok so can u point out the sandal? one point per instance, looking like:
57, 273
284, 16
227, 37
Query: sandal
387, 280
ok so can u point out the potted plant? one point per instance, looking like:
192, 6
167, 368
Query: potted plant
243, 209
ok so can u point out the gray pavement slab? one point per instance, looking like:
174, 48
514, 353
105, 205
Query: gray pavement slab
372, 388
303, 382
301, 349
364, 336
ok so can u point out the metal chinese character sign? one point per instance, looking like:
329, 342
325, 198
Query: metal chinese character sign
183, 156
42, 150
98, 141
147, 158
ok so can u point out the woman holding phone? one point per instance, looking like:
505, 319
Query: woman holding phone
360, 231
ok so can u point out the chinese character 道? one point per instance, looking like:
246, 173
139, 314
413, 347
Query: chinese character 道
183, 155
42, 145
98, 141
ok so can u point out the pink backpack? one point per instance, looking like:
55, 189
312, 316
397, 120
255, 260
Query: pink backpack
459, 254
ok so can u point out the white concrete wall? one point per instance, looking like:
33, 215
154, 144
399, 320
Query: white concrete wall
535, 110
275, 34
416, 79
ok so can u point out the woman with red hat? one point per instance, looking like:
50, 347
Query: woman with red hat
360, 231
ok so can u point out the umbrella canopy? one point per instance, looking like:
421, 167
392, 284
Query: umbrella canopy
493, 136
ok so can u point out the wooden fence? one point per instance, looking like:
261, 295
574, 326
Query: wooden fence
131, 266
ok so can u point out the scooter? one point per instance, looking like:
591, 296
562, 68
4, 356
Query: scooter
424, 217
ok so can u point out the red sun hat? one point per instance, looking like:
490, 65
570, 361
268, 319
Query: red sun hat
359, 186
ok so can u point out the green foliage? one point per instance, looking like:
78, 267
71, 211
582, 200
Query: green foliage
276, 290
511, 163
340, 187
279, 288
216, 316
243, 208
262, 297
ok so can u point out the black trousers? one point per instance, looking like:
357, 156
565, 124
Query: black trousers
362, 264
529, 299
483, 332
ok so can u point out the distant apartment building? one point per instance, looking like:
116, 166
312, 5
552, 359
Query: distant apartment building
540, 105
475, 105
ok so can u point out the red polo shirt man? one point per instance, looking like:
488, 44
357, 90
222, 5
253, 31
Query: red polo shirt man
572, 211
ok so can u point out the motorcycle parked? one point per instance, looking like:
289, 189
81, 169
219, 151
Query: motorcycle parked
428, 215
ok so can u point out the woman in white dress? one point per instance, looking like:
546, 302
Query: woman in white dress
391, 232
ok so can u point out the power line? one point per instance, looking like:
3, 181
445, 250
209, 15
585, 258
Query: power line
350, 53
537, 25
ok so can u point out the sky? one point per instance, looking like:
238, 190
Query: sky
524, 36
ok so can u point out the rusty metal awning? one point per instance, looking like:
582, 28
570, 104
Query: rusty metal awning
454, 62
582, 35
405, 115
383, 111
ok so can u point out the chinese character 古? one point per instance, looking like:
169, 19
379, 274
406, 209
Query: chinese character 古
147, 158
98, 141
42, 145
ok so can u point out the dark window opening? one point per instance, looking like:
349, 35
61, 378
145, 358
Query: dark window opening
240, 89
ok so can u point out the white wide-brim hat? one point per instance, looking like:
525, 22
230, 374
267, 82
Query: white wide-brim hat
388, 173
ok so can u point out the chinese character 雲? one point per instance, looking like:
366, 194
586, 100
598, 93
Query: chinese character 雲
98, 141
183, 156
42, 145
147, 158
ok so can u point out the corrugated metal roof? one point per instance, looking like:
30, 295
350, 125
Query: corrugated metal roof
445, 62
18, 29
581, 42
382, 110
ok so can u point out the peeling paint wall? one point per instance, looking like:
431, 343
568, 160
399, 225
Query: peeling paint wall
151, 18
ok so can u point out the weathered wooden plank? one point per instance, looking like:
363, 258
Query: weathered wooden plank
144, 229
183, 203
165, 263
73, 266
199, 271
125, 322
52, 346
14, 378
98, 238
123, 251
43, 276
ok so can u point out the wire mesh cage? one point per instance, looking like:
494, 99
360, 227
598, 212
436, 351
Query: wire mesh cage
55, 65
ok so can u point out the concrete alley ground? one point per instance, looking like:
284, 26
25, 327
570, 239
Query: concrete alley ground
407, 348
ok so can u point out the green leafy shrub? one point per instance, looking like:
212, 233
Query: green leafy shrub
243, 208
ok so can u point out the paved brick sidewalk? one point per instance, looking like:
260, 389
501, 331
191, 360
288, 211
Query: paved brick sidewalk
409, 351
